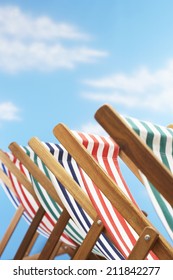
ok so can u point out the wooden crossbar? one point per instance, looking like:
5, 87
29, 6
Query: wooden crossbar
75, 190
137, 151
49, 250
118, 199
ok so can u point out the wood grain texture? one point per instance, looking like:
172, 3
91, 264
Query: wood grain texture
144, 244
18, 174
128, 210
137, 151
13, 224
35, 171
65, 179
50, 249
90, 240
29, 234
7, 181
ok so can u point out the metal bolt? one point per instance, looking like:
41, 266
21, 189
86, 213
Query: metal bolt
147, 237
99, 222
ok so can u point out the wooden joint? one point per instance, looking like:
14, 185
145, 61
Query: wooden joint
144, 244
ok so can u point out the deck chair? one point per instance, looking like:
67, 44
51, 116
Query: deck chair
51, 203
115, 196
99, 177
37, 216
8, 189
73, 197
141, 140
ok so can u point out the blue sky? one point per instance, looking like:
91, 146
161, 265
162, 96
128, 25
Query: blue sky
61, 60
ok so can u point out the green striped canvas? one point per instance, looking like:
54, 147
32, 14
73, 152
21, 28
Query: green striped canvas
160, 141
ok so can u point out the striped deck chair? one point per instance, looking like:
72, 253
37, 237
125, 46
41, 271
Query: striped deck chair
157, 167
112, 199
9, 191
36, 216
71, 194
48, 199
8, 187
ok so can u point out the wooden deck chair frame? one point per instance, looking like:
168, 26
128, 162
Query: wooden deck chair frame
52, 247
117, 198
66, 180
139, 222
15, 219
134, 150
13, 224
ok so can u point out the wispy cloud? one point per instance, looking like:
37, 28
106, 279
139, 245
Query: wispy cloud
39, 43
93, 128
19, 25
9, 112
142, 88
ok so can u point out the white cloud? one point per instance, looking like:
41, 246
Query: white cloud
93, 128
17, 56
142, 89
9, 112
14, 23
41, 43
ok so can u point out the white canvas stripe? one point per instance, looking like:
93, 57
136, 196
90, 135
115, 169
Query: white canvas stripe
51, 205
72, 200
157, 206
108, 204
167, 133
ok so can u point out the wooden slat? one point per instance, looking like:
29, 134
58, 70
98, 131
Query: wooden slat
25, 182
30, 234
11, 228
62, 249
33, 257
137, 151
90, 240
118, 199
7, 181
144, 244
36, 234
65, 179
50, 249
48, 186
170, 126
35, 171
17, 173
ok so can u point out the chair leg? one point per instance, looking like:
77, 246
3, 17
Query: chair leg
50, 249
30, 234
33, 257
31, 244
86, 247
65, 249
144, 244
11, 228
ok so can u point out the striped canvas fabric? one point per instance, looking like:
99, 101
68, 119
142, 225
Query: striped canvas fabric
160, 140
51, 207
105, 151
11, 195
78, 229
28, 202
